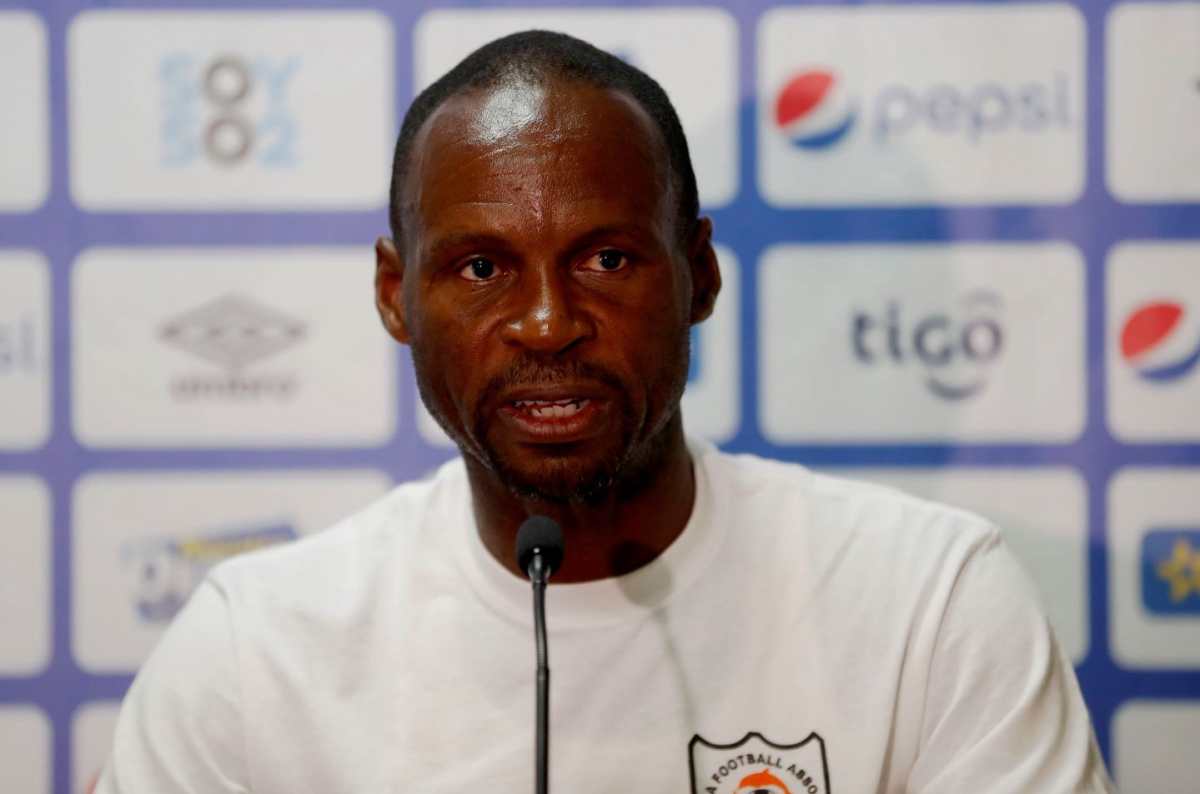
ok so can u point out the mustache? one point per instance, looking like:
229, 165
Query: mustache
532, 373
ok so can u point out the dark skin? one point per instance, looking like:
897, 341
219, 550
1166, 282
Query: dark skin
542, 260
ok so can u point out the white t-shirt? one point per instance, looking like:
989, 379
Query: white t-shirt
803, 634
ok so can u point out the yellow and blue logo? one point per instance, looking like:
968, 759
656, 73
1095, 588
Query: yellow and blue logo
1171, 571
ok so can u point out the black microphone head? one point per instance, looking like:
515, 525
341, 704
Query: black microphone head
543, 535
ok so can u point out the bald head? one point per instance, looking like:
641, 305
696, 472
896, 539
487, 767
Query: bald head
515, 71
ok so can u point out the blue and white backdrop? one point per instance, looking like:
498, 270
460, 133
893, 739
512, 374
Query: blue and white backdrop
961, 245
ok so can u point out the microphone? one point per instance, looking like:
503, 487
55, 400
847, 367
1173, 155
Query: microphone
539, 553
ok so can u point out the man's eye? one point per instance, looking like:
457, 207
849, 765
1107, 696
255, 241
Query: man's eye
478, 269
607, 261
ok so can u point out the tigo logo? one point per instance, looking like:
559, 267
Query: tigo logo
1151, 342
814, 110
955, 349
1171, 571
960, 339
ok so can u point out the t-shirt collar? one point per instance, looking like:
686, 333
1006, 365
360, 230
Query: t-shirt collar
605, 601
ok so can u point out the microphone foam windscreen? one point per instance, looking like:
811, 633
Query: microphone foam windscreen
542, 534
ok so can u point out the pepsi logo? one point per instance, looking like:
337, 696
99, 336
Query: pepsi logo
1155, 344
814, 110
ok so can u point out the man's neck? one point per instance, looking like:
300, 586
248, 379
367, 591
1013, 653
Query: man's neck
614, 536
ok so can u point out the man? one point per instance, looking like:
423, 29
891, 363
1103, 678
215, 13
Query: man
718, 620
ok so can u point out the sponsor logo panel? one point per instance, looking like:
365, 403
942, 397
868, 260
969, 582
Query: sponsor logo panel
25, 346
25, 572
1042, 513
1171, 571
143, 542
966, 115
1153, 101
25, 155
712, 400
1154, 745
662, 42
1153, 341
932, 343
92, 732
1154, 567
200, 347
230, 110
25, 735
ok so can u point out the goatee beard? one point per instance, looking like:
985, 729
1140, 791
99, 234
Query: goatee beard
619, 479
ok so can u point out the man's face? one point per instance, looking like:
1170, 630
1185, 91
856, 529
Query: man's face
545, 290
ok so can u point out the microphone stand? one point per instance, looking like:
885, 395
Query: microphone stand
539, 553
537, 575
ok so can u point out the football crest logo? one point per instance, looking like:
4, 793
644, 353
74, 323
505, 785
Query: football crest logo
757, 766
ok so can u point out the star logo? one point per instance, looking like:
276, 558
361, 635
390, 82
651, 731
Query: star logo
1171, 571
1181, 570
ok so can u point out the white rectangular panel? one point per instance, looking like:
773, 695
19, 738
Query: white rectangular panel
25, 153
25, 345
25, 748
1152, 341
26, 607
186, 110
966, 104
205, 347
1154, 746
922, 343
1153, 560
1153, 101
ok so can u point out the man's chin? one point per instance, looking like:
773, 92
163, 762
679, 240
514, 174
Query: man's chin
555, 478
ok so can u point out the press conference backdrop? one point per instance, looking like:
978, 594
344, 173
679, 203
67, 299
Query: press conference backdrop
961, 253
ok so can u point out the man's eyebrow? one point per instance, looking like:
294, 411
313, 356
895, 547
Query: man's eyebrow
456, 241
633, 233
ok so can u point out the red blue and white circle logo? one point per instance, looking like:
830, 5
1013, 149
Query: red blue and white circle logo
1155, 344
814, 109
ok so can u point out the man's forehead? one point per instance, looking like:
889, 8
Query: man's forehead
495, 140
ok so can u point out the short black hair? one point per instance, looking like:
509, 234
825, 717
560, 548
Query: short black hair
539, 55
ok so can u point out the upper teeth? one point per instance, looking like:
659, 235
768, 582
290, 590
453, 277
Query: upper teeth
553, 408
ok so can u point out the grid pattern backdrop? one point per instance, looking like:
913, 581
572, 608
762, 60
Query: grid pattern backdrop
961, 251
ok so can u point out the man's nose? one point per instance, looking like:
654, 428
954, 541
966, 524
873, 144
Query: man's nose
546, 317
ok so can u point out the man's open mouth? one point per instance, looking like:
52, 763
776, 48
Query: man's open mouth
552, 409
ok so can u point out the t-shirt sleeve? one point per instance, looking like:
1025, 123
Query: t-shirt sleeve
1003, 711
180, 727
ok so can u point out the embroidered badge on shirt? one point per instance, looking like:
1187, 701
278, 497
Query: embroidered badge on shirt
755, 765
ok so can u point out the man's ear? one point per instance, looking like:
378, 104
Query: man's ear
706, 273
389, 279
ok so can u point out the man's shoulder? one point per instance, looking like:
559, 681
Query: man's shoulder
818, 507
377, 536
